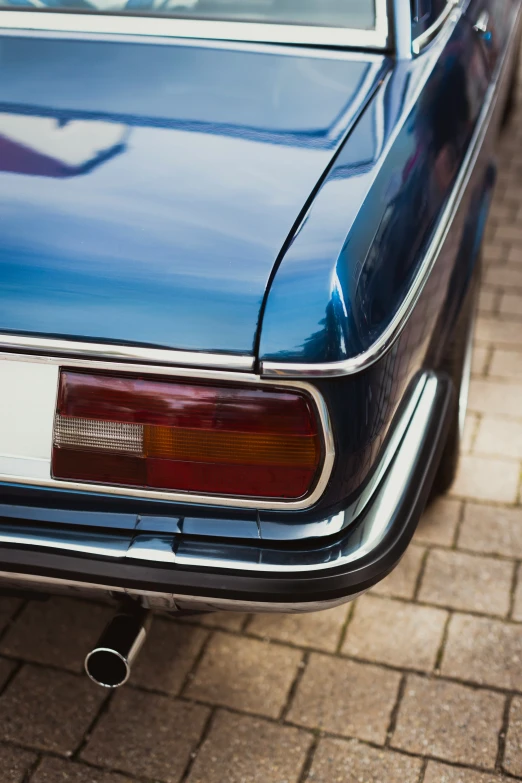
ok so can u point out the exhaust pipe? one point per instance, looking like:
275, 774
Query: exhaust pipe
109, 663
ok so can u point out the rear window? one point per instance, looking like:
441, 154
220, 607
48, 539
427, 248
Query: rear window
359, 14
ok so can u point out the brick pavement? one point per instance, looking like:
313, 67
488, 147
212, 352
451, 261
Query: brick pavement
419, 681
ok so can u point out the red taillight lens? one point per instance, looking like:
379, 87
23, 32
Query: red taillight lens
188, 437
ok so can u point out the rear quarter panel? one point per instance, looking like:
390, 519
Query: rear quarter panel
366, 236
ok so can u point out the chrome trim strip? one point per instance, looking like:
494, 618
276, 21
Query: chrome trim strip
171, 27
167, 601
399, 430
402, 30
181, 497
358, 542
87, 350
233, 605
100, 544
428, 35
393, 331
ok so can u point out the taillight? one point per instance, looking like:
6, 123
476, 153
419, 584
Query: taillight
244, 441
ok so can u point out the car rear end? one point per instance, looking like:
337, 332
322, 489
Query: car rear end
155, 447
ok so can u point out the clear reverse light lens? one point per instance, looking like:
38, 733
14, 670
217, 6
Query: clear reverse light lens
70, 432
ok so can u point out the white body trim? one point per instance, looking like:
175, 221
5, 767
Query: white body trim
27, 405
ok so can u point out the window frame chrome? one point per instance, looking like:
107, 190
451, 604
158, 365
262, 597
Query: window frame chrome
174, 27
425, 38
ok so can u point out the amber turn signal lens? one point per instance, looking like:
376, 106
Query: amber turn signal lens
244, 441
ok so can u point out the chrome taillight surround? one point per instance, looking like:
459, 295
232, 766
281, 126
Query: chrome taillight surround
33, 467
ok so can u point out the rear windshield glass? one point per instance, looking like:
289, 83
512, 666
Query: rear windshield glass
332, 13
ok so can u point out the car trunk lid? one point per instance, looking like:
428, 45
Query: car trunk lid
147, 189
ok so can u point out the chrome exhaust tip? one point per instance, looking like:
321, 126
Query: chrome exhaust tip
109, 663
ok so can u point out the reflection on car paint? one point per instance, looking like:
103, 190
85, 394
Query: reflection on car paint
46, 147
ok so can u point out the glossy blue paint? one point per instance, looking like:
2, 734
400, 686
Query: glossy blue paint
362, 242
146, 190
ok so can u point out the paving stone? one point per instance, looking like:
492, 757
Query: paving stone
495, 253
227, 621
501, 333
485, 651
498, 436
395, 633
169, 653
443, 773
496, 398
469, 433
402, 581
343, 697
479, 360
240, 749
449, 721
505, 276
517, 606
53, 770
487, 301
501, 212
492, 530
15, 763
230, 621
507, 364
490, 232
58, 632
510, 304
8, 606
513, 752
514, 255
146, 734
439, 522
245, 674
6, 669
467, 582
485, 478
318, 629
350, 761
509, 194
48, 710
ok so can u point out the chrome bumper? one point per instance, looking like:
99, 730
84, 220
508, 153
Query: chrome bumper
173, 572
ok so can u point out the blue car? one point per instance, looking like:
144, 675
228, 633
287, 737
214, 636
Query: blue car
239, 258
